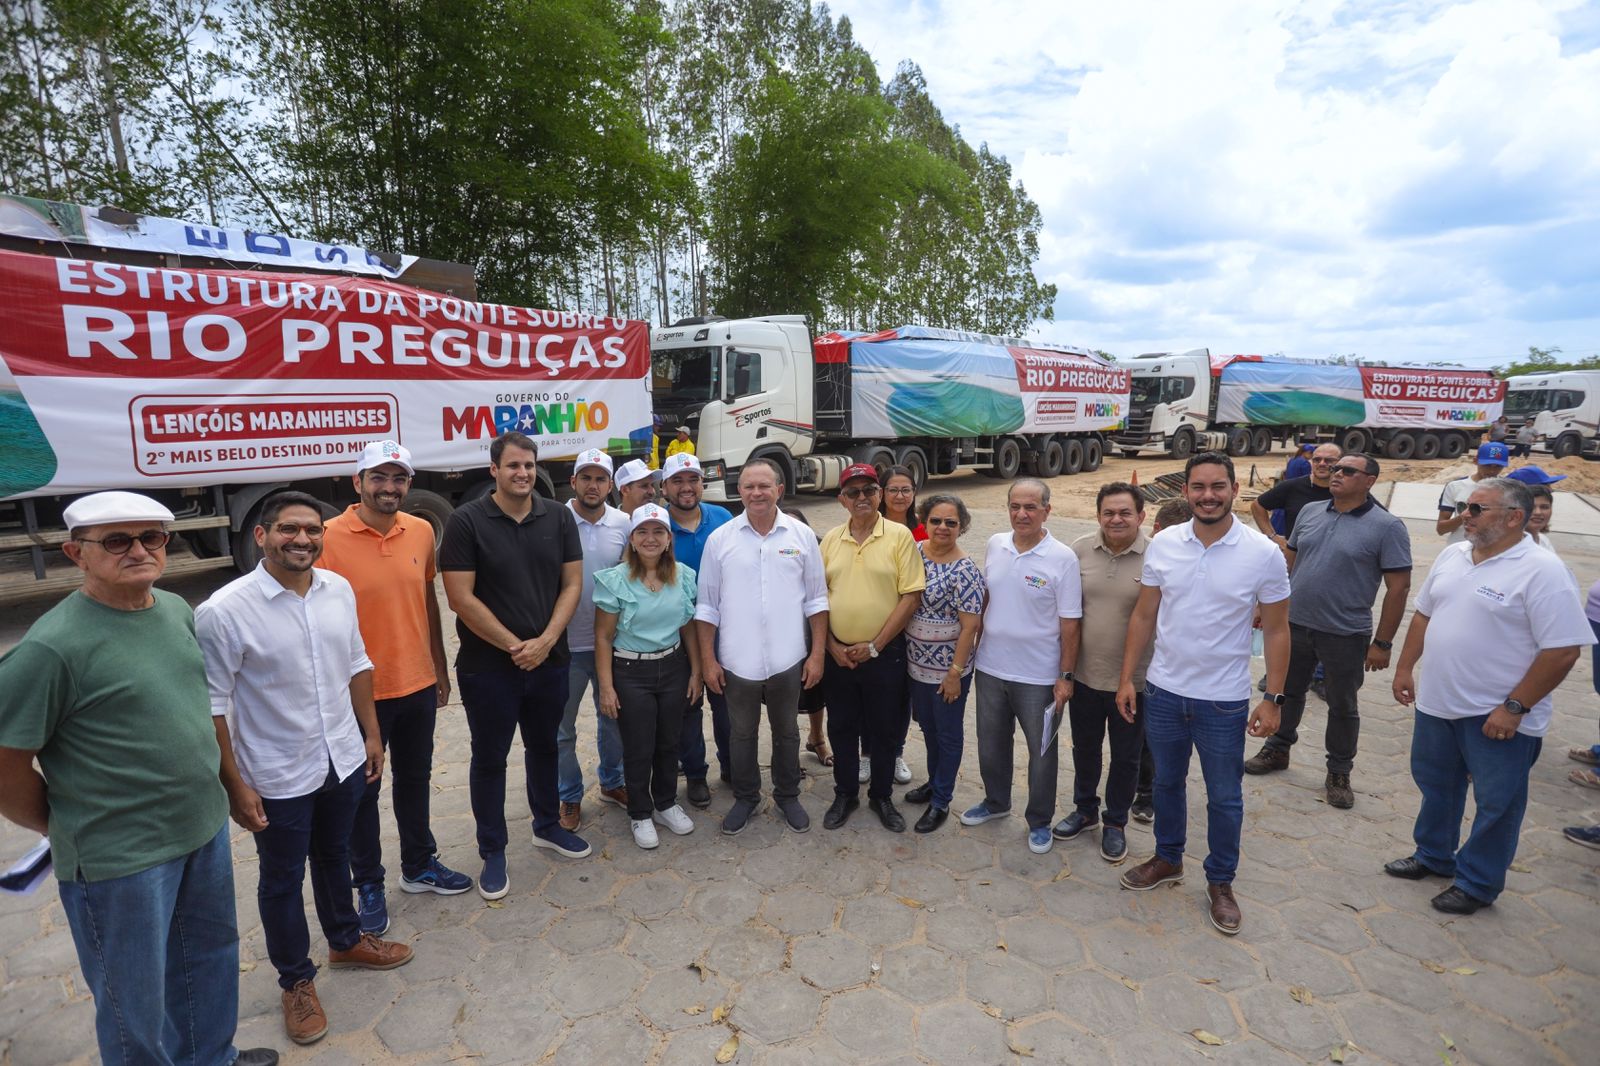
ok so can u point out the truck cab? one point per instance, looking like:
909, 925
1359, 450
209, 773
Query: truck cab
743, 387
1564, 408
1172, 403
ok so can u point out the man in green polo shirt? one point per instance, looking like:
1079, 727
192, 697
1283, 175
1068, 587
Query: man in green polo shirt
108, 692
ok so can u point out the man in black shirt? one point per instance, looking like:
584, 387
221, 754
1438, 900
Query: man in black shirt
1291, 494
513, 570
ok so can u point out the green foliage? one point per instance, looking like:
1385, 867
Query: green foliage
1544, 361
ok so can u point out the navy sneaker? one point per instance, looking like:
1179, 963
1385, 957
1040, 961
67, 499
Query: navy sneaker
1113, 844
493, 882
373, 909
562, 842
436, 877
1073, 824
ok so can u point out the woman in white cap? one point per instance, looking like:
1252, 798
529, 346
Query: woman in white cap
647, 664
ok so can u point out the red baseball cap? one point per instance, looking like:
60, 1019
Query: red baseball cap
855, 470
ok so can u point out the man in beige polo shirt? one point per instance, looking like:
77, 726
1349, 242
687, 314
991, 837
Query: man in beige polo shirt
1109, 562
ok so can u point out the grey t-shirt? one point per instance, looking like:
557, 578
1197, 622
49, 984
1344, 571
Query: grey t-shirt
1340, 560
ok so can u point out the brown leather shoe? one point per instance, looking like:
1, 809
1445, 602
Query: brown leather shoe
1153, 872
303, 1019
1339, 793
1224, 909
370, 953
571, 816
1267, 760
616, 796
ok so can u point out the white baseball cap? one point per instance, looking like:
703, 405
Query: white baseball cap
635, 470
650, 512
104, 508
677, 464
592, 457
385, 451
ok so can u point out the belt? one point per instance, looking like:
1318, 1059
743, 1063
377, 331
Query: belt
619, 653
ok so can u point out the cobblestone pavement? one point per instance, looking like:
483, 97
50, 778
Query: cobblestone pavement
860, 946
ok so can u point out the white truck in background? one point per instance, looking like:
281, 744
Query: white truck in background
1564, 407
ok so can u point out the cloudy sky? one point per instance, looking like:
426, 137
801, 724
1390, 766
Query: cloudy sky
1406, 180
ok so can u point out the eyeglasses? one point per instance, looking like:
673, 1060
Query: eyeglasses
293, 529
954, 523
1476, 509
856, 494
151, 540
1351, 470
397, 480
1322, 462
900, 490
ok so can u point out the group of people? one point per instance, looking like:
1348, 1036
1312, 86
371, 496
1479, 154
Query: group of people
330, 657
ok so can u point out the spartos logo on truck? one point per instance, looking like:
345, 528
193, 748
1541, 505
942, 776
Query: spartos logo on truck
478, 423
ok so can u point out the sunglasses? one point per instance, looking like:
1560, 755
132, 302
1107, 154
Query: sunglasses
151, 540
1317, 462
856, 494
1352, 471
1476, 509
954, 523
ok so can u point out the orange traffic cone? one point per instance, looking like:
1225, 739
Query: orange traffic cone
1135, 480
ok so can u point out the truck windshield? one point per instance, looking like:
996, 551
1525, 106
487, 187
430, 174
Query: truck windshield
1523, 402
1149, 391
686, 375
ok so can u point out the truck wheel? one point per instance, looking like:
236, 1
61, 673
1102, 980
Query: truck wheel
1429, 446
1353, 441
432, 506
1182, 445
1007, 459
1074, 451
1452, 446
1402, 446
246, 552
1093, 454
1050, 459
1260, 441
1238, 442
1565, 445
915, 460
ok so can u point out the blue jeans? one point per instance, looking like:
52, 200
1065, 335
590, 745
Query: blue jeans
580, 678
160, 952
692, 744
314, 827
499, 703
406, 725
1173, 725
1444, 752
943, 726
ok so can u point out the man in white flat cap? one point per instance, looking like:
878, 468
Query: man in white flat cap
388, 558
636, 485
108, 692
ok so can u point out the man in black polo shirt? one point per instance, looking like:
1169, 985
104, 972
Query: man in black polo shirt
1291, 494
513, 570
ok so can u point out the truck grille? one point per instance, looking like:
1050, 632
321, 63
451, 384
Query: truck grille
1135, 428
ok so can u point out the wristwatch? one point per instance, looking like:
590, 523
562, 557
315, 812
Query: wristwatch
872, 649
1382, 645
1275, 697
1067, 675
1514, 706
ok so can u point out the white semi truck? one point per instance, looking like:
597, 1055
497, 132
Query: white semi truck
1564, 407
928, 399
1243, 404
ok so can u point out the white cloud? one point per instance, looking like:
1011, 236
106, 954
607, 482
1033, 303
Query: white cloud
1400, 180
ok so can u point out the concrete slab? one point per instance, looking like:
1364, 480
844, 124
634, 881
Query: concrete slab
1576, 514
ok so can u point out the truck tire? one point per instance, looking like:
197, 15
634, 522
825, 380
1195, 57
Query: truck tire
1401, 446
1354, 441
1050, 459
1007, 459
431, 506
1452, 446
1238, 442
246, 552
1429, 446
1260, 441
1074, 453
874, 455
1182, 444
915, 460
1093, 454
1565, 445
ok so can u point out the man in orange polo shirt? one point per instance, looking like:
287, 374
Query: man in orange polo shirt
388, 557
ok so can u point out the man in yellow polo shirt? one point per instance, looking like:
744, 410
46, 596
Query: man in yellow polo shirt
875, 580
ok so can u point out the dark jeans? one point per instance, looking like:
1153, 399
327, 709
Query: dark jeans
1147, 763
160, 953
1521, 451
1343, 659
1093, 715
692, 746
1176, 725
314, 827
943, 734
499, 703
653, 694
869, 700
406, 725
781, 694
1448, 754
1002, 707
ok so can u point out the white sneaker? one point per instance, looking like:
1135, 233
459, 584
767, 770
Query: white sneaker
644, 833
676, 819
902, 772
864, 774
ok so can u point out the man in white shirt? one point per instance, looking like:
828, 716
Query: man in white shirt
291, 694
636, 485
1203, 582
1499, 624
762, 586
603, 530
1492, 460
1026, 657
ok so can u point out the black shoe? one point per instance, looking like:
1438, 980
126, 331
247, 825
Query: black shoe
1143, 811
1454, 901
931, 819
920, 794
1410, 868
1072, 825
738, 817
256, 1056
891, 817
698, 792
839, 812
1113, 844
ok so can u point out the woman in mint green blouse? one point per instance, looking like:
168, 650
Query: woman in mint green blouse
647, 668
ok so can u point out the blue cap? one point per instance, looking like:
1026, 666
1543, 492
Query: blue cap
1493, 454
1532, 475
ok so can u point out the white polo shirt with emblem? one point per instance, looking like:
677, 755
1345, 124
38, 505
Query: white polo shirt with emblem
1029, 593
758, 590
1486, 624
1208, 602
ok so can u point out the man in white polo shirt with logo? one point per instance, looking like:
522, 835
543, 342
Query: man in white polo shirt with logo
1025, 659
1498, 624
1203, 583
762, 586
603, 530
636, 485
